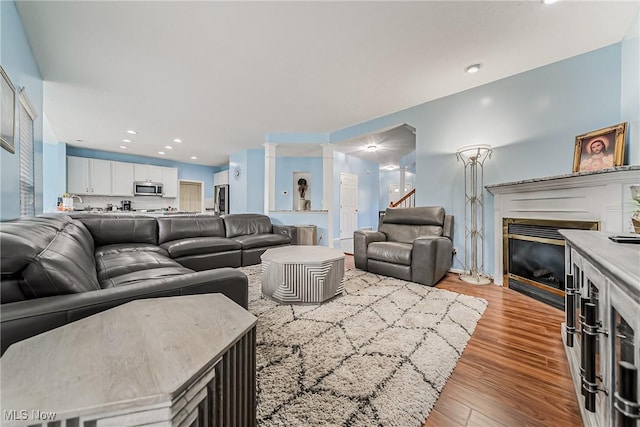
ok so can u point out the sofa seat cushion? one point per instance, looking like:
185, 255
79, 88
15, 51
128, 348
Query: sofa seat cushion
393, 252
199, 245
252, 241
143, 275
120, 248
117, 264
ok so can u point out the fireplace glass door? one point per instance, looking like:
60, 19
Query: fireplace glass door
534, 257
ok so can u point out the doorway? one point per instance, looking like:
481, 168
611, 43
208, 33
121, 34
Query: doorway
191, 196
348, 210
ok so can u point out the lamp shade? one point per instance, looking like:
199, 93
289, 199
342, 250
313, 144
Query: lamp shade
478, 152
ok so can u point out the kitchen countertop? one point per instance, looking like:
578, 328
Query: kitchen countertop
138, 213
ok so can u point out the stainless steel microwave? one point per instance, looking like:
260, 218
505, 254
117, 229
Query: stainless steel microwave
141, 188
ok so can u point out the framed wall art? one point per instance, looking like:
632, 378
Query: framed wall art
7, 113
600, 149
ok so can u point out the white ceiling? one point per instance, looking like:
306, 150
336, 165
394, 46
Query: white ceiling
220, 75
391, 145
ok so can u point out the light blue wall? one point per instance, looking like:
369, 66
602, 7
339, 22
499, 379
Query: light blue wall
630, 101
285, 167
246, 190
531, 120
368, 189
409, 162
238, 183
18, 62
187, 171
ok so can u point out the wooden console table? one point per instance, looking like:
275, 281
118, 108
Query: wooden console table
187, 360
602, 329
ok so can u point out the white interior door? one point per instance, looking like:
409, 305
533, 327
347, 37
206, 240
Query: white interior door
190, 196
348, 205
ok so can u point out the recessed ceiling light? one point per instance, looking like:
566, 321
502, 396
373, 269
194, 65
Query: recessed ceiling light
372, 148
549, 1
168, 147
132, 132
473, 68
177, 140
160, 152
126, 140
194, 158
123, 147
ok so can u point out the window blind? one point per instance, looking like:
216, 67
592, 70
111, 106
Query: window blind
27, 191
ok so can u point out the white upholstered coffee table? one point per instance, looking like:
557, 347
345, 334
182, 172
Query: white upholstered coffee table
302, 274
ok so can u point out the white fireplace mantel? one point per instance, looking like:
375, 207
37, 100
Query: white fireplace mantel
602, 196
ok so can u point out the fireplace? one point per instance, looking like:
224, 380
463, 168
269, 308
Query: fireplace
533, 251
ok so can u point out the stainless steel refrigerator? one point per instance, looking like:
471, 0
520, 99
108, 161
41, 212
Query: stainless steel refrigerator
221, 199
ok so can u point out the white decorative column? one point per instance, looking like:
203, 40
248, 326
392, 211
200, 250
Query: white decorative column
269, 177
327, 189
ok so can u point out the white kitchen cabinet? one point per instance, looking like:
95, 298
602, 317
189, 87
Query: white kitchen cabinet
100, 174
170, 182
221, 178
78, 175
147, 173
121, 179
88, 176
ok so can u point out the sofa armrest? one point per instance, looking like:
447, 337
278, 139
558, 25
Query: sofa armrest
23, 319
361, 240
430, 259
286, 230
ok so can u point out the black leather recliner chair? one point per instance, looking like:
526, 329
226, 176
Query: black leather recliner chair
413, 244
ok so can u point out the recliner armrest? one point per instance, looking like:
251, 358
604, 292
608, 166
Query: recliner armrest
430, 259
23, 319
361, 240
286, 230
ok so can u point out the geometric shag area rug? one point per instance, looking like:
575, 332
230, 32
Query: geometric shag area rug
378, 355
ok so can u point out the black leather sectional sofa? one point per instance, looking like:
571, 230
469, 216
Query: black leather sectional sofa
56, 269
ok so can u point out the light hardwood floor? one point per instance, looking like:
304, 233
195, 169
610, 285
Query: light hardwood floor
514, 371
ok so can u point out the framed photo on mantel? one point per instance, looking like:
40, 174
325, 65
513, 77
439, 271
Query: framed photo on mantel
600, 149
7, 113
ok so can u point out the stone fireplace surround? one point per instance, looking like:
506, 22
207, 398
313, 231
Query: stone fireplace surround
601, 196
